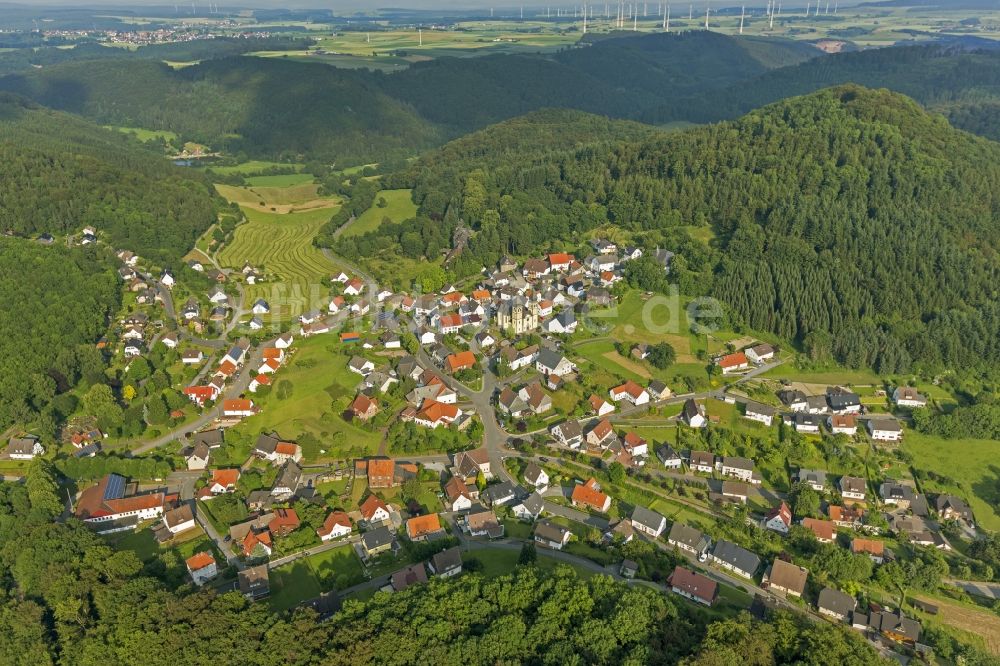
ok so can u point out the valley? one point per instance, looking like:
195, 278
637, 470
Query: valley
426, 336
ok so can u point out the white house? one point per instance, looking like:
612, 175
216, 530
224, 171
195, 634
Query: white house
907, 396
24, 448
631, 393
670, 458
648, 522
336, 525
284, 341
885, 430
760, 413
261, 307
779, 520
202, 567
853, 487
760, 353
739, 468
536, 477
179, 520
551, 362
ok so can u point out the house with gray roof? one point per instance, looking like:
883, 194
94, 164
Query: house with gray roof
735, 558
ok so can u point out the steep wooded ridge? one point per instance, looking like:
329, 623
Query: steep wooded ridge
258, 106
617, 76
61, 173
849, 220
56, 304
963, 85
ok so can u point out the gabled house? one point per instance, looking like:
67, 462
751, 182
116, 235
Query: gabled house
731, 363
760, 353
885, 429
648, 521
693, 414
459, 494
870, 547
602, 434
631, 393
852, 488
739, 468
254, 583
688, 539
814, 478
536, 477
670, 458
843, 424
735, 491
537, 400
550, 362
825, 531
806, 423
950, 507
779, 519
471, 463
907, 396
530, 508
735, 558
447, 563
702, 461
483, 523
24, 448
589, 495
842, 401
760, 413
600, 406
795, 400
569, 433
835, 604
551, 535
693, 586
360, 365
377, 541
785, 579
374, 511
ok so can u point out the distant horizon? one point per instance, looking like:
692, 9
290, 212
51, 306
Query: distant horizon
373, 5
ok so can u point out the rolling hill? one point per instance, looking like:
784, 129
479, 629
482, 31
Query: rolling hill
61, 173
849, 220
254, 106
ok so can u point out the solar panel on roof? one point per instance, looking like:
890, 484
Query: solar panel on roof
115, 488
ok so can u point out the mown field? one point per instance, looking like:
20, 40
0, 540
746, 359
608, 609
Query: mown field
399, 206
281, 246
321, 389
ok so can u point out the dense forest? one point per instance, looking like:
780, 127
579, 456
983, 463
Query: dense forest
253, 106
62, 173
963, 85
848, 220
68, 597
359, 116
56, 304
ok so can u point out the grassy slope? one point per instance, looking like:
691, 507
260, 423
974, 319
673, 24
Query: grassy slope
399, 207
322, 389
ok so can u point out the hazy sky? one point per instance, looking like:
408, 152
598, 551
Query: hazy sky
346, 6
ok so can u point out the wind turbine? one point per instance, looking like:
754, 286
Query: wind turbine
743, 11
666, 19
706, 14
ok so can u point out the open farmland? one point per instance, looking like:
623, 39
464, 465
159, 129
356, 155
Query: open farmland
399, 206
281, 246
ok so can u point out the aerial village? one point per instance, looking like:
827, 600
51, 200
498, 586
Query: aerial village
522, 446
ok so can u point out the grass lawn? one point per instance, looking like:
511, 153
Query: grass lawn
283, 180
292, 584
399, 207
337, 568
147, 135
322, 388
252, 167
281, 245
969, 468
828, 377
499, 562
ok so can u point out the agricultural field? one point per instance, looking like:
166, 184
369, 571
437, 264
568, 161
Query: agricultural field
968, 468
252, 168
282, 180
399, 206
321, 388
145, 134
281, 246
282, 199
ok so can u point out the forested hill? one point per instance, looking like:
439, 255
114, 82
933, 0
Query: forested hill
257, 106
61, 173
618, 76
56, 304
848, 220
963, 85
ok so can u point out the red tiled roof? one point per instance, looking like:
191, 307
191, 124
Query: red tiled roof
271, 352
237, 405
868, 546
434, 411
461, 361
286, 448
588, 493
284, 521
199, 561
823, 529
227, 368
629, 387
225, 477
693, 583
421, 525
370, 505
733, 360
333, 519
